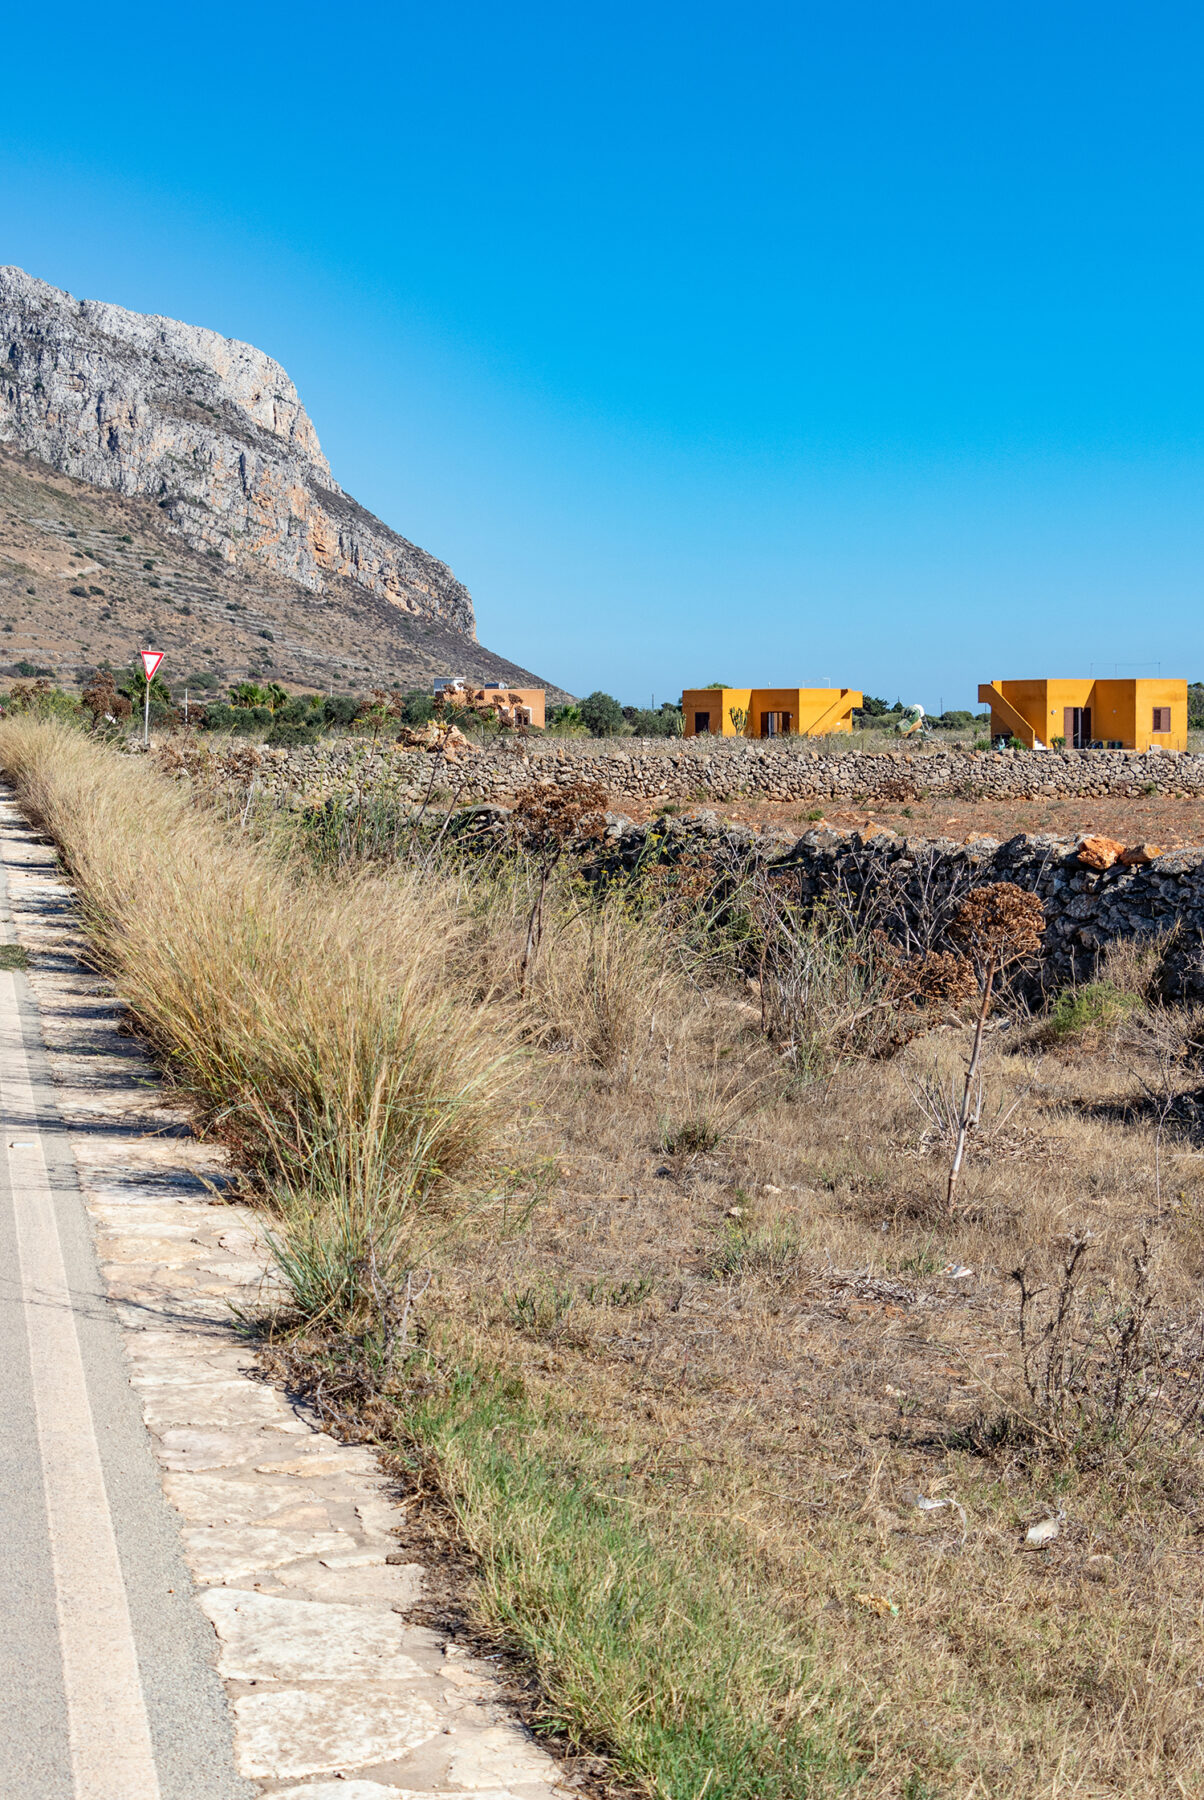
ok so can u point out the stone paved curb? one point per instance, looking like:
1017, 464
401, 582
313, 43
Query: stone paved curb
334, 1695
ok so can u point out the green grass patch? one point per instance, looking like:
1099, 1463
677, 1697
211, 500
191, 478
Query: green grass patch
1097, 1003
653, 1631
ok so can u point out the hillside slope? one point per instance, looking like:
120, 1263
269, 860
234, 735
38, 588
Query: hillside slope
210, 429
88, 576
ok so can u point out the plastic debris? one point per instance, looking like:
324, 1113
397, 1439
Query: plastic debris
1044, 1531
924, 1504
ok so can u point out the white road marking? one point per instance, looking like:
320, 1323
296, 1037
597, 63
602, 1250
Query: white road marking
111, 1753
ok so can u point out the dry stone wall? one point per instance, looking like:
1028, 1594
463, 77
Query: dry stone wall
675, 770
1085, 909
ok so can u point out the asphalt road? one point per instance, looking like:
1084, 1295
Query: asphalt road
107, 1690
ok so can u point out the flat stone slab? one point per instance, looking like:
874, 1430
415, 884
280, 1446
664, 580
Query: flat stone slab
264, 1639
225, 1553
182, 1447
211, 1497
336, 1790
496, 1756
398, 1586
206, 1403
315, 1731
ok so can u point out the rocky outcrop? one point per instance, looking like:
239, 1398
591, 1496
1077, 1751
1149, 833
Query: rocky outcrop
211, 429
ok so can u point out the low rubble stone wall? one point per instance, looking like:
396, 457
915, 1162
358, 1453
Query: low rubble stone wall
1085, 910
914, 886
681, 770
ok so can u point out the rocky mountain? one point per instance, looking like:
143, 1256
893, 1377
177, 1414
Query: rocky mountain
209, 429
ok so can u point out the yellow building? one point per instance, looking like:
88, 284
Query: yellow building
768, 712
514, 706
1111, 714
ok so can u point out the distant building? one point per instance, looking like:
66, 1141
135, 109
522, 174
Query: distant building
514, 706
768, 712
1110, 714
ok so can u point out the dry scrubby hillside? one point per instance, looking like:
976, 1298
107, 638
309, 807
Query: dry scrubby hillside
88, 576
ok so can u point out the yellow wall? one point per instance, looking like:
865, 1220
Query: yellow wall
532, 697
1121, 710
718, 703
812, 711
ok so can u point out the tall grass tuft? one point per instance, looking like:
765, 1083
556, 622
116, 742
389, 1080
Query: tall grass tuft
312, 1024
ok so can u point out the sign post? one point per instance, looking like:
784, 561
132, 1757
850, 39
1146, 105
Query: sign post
150, 663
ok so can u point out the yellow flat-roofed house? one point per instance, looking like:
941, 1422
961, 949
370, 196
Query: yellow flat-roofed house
768, 712
1111, 713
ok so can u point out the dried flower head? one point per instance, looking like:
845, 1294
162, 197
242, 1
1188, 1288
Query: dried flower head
999, 921
551, 816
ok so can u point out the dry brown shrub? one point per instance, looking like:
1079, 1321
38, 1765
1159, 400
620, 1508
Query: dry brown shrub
549, 816
547, 819
102, 700
938, 978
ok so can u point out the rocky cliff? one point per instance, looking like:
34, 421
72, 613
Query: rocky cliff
209, 428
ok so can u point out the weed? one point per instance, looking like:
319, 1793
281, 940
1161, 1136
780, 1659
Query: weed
996, 926
12, 956
539, 1310
632, 1291
929, 1259
770, 1250
1096, 1358
690, 1136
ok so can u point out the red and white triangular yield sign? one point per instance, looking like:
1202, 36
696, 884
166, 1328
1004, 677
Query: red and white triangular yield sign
150, 662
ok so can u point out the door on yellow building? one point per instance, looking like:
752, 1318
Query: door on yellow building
1077, 727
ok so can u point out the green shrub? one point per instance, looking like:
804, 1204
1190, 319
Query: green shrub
219, 717
1097, 1003
339, 709
602, 715
287, 732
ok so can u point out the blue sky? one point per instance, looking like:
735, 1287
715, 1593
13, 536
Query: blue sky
849, 343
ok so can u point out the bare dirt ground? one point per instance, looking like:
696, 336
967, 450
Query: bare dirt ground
1152, 819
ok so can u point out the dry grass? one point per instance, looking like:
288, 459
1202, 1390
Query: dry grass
315, 1030
807, 1362
684, 1396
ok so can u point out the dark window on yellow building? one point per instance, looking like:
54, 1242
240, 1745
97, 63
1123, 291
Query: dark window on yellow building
702, 721
1162, 719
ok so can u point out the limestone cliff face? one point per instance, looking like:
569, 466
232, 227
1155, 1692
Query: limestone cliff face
210, 428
